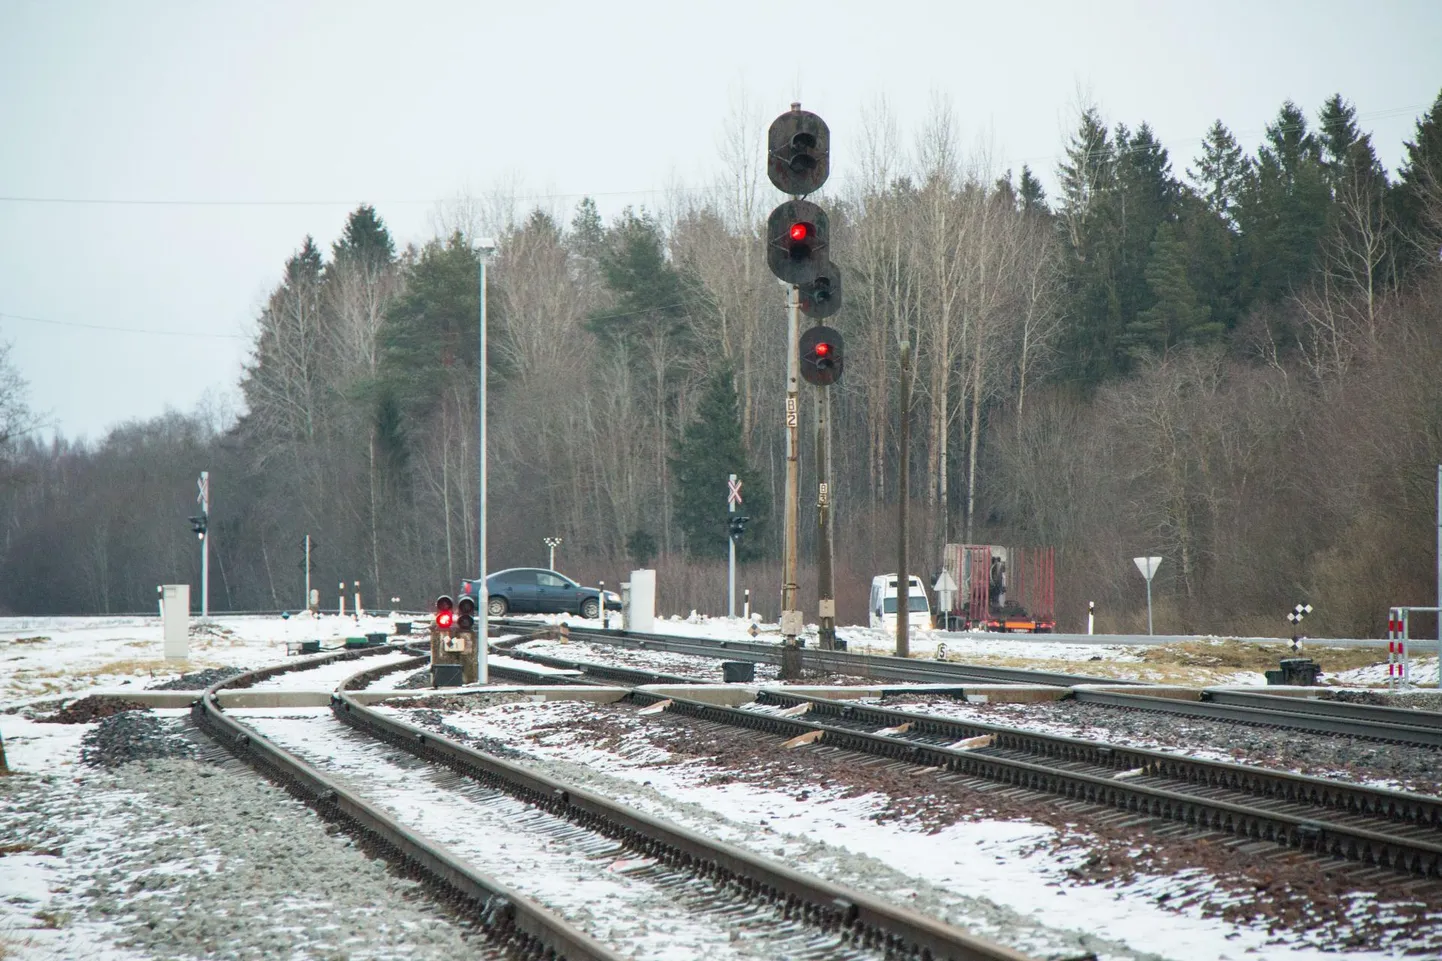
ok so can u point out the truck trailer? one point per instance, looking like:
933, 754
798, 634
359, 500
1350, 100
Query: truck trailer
1009, 589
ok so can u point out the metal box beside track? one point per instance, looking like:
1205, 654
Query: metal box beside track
446, 675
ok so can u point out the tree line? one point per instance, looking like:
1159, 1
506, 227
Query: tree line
1229, 361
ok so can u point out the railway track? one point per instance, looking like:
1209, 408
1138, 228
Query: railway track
882, 667
821, 920
522, 928
1372, 722
1390, 830
1397, 725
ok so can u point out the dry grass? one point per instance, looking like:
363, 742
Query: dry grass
128, 665
37, 639
1251, 656
1189, 663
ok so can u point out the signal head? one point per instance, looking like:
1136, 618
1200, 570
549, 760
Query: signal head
798, 152
445, 612
822, 351
821, 297
797, 235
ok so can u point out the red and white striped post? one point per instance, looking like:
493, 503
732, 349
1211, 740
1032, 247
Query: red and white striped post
1396, 648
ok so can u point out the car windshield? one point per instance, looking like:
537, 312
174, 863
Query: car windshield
918, 603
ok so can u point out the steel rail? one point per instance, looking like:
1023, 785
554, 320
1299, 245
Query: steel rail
629, 675
1372, 713
857, 916
1415, 810
1415, 856
509, 919
1292, 719
837, 662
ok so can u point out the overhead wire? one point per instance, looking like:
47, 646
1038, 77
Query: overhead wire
5, 315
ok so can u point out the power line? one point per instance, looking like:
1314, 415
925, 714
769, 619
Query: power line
124, 330
161, 202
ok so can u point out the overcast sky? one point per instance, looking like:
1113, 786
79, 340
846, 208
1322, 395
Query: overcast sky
159, 161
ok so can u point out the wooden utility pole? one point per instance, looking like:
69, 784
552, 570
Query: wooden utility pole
903, 586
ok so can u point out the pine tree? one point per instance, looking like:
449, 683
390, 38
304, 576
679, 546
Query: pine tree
1211, 244
1220, 171
588, 235
650, 296
1084, 218
1176, 317
1337, 135
1284, 208
434, 326
708, 452
1417, 197
1031, 193
365, 239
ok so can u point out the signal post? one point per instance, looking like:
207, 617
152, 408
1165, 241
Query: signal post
455, 643
798, 252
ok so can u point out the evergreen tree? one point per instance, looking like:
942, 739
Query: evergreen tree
434, 326
1084, 218
306, 266
365, 239
1176, 317
1337, 135
1031, 193
1416, 201
1220, 171
588, 236
1086, 174
1284, 208
1211, 245
708, 452
650, 295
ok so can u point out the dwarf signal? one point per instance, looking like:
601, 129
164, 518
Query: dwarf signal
445, 613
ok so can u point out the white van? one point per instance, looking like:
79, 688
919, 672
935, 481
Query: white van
883, 603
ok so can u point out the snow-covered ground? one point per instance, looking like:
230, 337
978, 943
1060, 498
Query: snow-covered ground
44, 657
109, 819
1001, 879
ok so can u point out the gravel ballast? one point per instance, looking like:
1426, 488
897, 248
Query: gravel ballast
1395, 766
197, 680
180, 858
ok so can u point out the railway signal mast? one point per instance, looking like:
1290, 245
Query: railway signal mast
798, 251
200, 526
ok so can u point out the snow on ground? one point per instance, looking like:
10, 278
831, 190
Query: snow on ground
963, 866
176, 858
1422, 671
50, 658
328, 676
68, 656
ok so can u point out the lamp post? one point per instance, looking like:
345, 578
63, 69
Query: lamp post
552, 543
484, 248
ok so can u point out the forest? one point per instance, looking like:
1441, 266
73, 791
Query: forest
1231, 360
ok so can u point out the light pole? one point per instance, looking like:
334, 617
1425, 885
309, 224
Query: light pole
552, 543
484, 248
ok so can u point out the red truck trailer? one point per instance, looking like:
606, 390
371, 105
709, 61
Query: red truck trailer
1009, 589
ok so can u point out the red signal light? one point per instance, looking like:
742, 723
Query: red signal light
444, 619
823, 349
800, 231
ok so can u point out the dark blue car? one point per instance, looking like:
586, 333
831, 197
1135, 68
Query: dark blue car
535, 590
